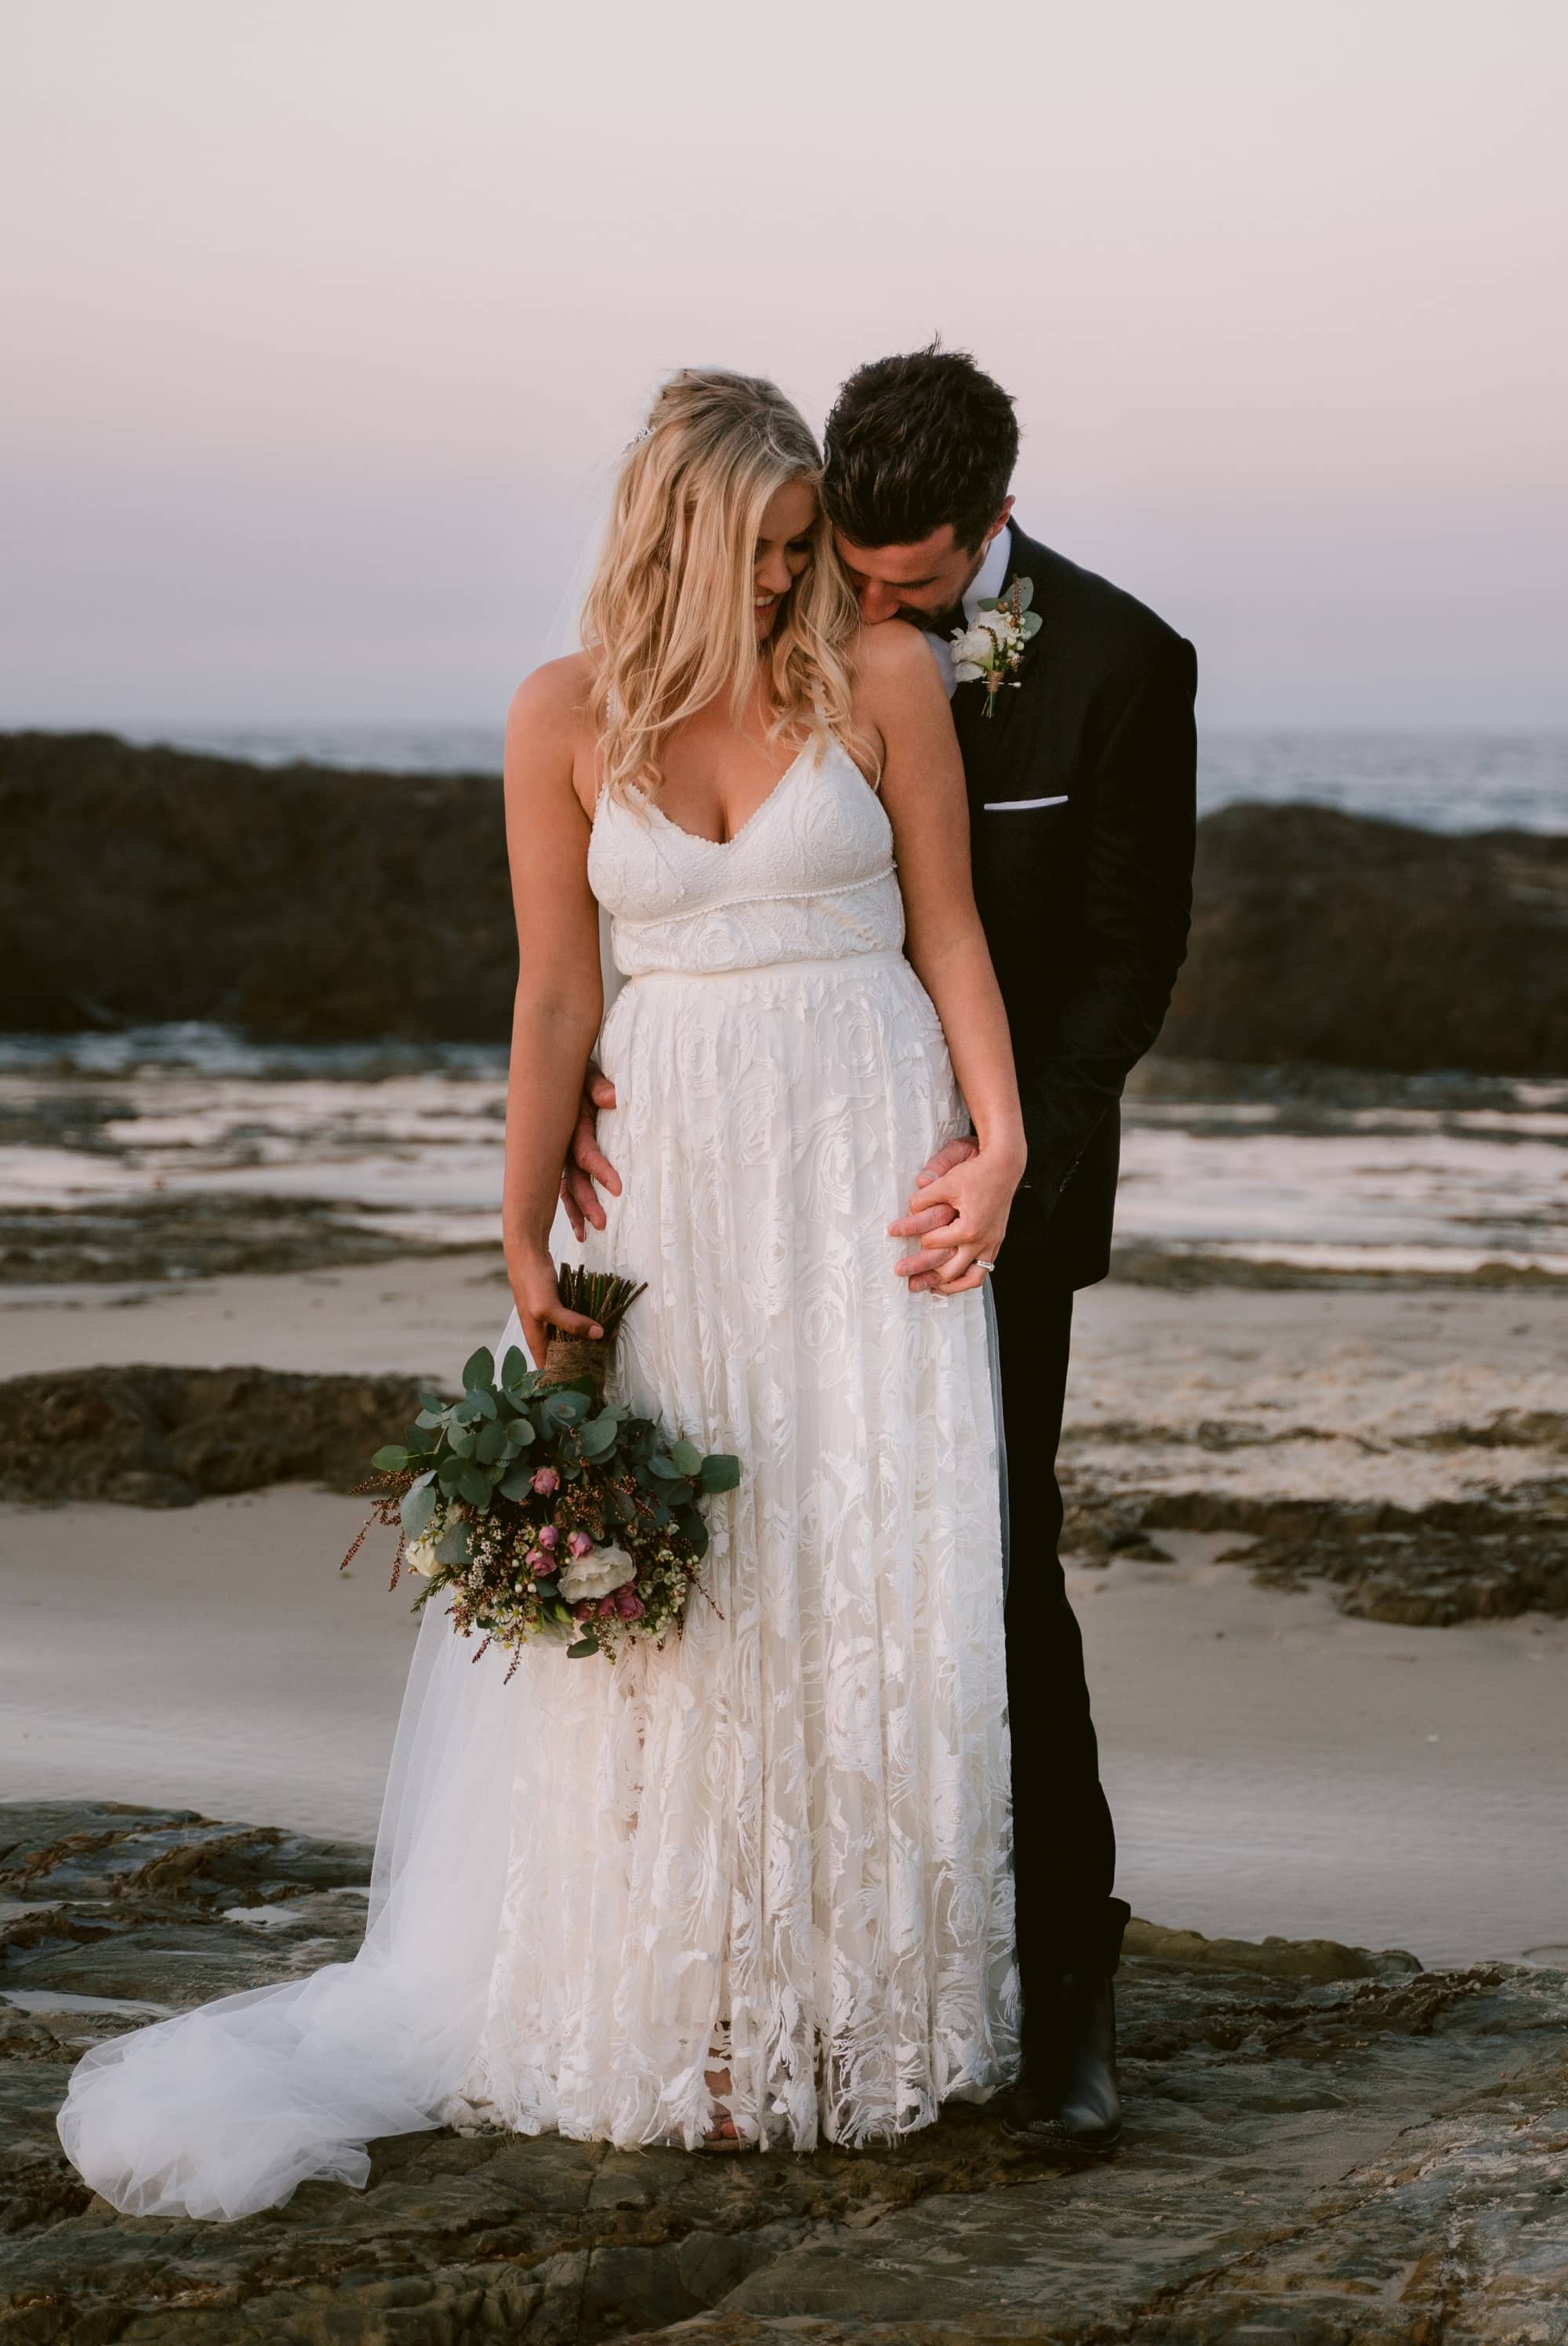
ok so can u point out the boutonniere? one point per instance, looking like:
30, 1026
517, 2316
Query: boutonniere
994, 648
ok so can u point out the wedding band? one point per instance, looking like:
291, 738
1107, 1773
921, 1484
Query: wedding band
981, 1263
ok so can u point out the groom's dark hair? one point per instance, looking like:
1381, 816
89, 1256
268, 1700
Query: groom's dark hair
917, 441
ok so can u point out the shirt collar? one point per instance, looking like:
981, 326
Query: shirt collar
992, 576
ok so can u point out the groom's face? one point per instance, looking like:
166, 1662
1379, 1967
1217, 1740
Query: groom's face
921, 582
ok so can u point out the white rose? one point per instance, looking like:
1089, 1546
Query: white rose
420, 1554
974, 648
595, 1574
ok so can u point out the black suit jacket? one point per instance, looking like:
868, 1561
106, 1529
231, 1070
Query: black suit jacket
1081, 796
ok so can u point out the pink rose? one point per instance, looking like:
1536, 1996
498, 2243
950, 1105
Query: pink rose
535, 1559
549, 1536
546, 1482
580, 1544
584, 1611
607, 1609
629, 1605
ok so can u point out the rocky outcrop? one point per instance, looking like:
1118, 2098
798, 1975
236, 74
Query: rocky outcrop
1490, 1555
1332, 938
305, 902
1481, 1559
297, 902
200, 1234
164, 1437
1325, 2144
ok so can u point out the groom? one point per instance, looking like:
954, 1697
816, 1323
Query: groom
1081, 779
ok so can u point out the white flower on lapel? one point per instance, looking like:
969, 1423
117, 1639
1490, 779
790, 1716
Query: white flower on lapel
991, 649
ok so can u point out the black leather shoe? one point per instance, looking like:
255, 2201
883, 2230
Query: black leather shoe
1067, 2097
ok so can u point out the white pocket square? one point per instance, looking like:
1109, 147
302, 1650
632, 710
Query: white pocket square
1021, 806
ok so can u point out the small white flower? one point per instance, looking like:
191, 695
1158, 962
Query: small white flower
602, 1570
420, 1554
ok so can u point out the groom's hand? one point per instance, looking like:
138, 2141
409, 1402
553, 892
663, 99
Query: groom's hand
587, 1162
923, 1268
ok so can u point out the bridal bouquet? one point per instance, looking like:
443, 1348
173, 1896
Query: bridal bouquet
538, 1508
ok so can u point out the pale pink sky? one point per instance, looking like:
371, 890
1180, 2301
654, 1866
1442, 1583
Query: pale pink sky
327, 318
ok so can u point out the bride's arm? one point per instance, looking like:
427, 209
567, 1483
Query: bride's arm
555, 1015
899, 696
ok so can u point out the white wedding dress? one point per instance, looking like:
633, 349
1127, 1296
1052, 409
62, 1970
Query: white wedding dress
783, 1837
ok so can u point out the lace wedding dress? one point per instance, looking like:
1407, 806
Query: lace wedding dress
783, 1837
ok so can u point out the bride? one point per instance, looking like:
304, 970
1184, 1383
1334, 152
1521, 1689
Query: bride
749, 1887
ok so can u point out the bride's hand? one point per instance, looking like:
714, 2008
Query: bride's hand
974, 1197
540, 1308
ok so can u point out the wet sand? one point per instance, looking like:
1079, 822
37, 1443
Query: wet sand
1273, 1765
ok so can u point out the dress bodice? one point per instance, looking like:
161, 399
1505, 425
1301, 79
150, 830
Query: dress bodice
809, 877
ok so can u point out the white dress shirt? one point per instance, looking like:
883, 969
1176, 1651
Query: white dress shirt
988, 581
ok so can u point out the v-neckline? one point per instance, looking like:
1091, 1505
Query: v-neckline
700, 838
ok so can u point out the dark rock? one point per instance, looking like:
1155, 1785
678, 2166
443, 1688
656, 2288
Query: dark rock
146, 885
1324, 2144
300, 902
200, 1235
1487, 1557
163, 1437
1336, 939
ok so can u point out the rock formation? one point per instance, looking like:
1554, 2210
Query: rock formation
1325, 2145
307, 903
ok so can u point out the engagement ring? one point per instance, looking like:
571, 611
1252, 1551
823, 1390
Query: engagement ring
981, 1263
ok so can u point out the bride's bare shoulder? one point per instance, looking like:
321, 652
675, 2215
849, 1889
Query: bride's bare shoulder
892, 673
889, 653
547, 723
552, 696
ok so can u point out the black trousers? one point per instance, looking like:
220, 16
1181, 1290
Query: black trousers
1064, 1846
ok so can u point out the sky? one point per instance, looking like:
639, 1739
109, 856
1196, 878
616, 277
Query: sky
327, 319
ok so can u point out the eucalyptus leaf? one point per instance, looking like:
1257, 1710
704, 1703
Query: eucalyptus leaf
479, 1369
450, 1474
429, 1417
1033, 623
517, 1484
688, 1457
460, 1440
1023, 588
582, 1649
392, 1458
665, 1468
492, 1442
597, 1439
721, 1471
473, 1485
514, 1366
415, 1509
451, 1547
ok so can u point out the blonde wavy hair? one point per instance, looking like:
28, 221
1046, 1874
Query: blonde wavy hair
669, 617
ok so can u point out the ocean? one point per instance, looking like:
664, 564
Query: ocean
1443, 780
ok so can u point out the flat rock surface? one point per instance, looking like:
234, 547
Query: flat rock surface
1324, 2144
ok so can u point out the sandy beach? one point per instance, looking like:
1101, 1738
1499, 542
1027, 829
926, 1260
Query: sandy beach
1274, 1766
